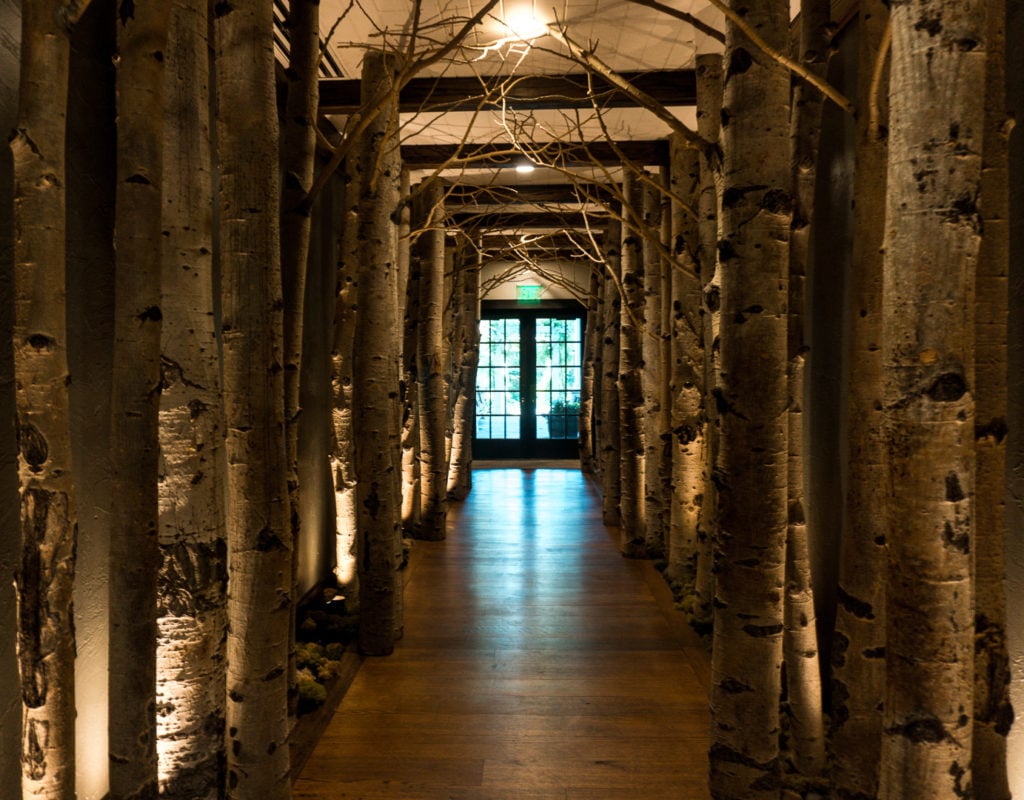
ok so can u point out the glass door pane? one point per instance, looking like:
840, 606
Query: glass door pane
498, 396
559, 375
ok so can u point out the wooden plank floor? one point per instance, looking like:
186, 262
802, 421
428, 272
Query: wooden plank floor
536, 664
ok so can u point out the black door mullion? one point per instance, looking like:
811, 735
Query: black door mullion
528, 360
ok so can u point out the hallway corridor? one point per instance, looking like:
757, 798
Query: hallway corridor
537, 664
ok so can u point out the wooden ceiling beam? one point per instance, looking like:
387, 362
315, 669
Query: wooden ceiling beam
525, 193
528, 221
529, 92
497, 154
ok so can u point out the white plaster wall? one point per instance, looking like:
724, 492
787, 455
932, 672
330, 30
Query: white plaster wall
576, 274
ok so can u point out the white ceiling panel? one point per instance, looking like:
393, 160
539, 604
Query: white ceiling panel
624, 34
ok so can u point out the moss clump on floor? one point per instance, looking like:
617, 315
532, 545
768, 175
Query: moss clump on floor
325, 629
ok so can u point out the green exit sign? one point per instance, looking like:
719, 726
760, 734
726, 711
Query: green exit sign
528, 294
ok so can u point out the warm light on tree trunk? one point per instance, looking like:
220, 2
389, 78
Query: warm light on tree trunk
752, 402
858, 639
375, 372
687, 380
135, 402
931, 250
259, 534
630, 374
610, 441
45, 576
432, 391
192, 592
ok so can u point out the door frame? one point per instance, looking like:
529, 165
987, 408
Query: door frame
528, 446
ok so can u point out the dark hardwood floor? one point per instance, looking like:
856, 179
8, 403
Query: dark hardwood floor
536, 664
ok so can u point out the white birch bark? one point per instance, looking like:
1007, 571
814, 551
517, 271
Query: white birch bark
433, 388
752, 406
460, 475
342, 461
931, 248
610, 442
803, 671
45, 575
260, 545
709, 113
192, 593
993, 714
687, 361
135, 402
655, 386
858, 639
630, 375
375, 374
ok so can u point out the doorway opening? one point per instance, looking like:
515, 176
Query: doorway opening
528, 381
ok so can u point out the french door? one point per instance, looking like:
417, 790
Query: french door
528, 383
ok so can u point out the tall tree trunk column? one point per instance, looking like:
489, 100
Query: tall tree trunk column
460, 473
803, 671
298, 148
259, 533
709, 116
931, 249
433, 388
591, 368
752, 404
135, 402
377, 447
610, 349
631, 392
858, 641
687, 382
993, 714
45, 577
343, 468
192, 600
655, 381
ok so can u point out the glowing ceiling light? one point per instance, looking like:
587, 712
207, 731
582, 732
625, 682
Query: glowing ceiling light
524, 168
523, 23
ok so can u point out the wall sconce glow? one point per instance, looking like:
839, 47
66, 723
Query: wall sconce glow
523, 24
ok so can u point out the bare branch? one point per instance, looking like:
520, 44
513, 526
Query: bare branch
874, 112
700, 25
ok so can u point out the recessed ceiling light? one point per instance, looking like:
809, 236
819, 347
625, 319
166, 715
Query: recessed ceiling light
524, 24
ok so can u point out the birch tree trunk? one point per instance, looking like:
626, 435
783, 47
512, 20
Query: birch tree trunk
45, 576
135, 402
931, 249
259, 533
433, 388
803, 671
409, 267
631, 394
460, 475
993, 714
858, 649
298, 150
752, 403
411, 485
376, 348
192, 591
687, 382
343, 468
656, 405
709, 114
611, 463
591, 368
